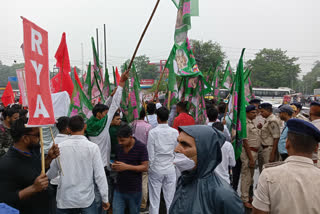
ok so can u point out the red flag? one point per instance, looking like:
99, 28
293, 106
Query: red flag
62, 83
76, 77
8, 96
117, 76
62, 56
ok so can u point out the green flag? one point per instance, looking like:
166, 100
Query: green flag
227, 78
80, 104
248, 86
97, 82
87, 87
215, 82
106, 91
134, 104
237, 109
183, 22
172, 81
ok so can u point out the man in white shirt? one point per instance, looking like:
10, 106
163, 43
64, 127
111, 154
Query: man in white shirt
151, 118
82, 167
162, 141
228, 158
62, 126
98, 129
213, 117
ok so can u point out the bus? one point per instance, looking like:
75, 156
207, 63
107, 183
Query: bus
273, 95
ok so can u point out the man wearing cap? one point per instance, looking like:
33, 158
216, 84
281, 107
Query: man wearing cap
299, 115
285, 114
270, 134
292, 187
315, 118
258, 120
249, 155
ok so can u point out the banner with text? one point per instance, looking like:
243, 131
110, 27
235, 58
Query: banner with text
22, 86
37, 75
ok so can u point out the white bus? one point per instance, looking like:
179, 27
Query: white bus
272, 95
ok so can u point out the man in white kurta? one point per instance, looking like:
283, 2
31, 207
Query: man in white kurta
162, 141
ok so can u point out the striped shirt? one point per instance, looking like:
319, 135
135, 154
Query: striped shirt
131, 181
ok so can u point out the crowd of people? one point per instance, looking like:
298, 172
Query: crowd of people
106, 165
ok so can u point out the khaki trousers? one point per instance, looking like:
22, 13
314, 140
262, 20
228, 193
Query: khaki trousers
144, 199
246, 174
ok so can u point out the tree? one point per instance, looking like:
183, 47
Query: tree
273, 69
310, 79
144, 69
8, 71
207, 54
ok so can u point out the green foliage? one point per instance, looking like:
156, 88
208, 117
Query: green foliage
310, 79
207, 54
273, 68
144, 69
162, 86
9, 71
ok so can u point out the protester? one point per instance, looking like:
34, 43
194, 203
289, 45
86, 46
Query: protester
151, 118
9, 116
285, 113
270, 134
132, 160
201, 190
82, 165
296, 179
183, 119
299, 114
295, 111
98, 131
315, 120
22, 185
62, 125
228, 159
222, 110
141, 131
162, 141
113, 131
249, 155
212, 114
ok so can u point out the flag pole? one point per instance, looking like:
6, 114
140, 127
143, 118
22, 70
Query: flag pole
169, 99
143, 33
42, 152
160, 79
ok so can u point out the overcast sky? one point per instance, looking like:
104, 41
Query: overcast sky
292, 25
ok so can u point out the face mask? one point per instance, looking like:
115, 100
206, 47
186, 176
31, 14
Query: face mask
183, 163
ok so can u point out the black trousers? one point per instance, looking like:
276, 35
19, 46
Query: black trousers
236, 174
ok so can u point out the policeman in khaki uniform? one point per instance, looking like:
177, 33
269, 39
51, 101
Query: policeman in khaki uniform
270, 134
258, 120
249, 155
292, 187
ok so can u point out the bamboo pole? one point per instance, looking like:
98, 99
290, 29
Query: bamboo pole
169, 99
43, 170
143, 33
160, 79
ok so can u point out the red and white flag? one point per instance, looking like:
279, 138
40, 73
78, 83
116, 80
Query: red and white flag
37, 75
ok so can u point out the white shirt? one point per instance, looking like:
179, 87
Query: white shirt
82, 167
103, 139
225, 131
228, 159
57, 140
162, 141
152, 120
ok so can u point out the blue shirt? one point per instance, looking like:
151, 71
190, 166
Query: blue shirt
282, 141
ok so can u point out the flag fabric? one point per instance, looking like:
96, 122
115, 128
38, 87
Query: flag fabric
248, 86
106, 90
87, 87
215, 82
114, 77
80, 104
134, 105
96, 63
62, 82
227, 78
62, 56
237, 109
172, 81
124, 104
97, 82
118, 76
76, 77
183, 22
7, 96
